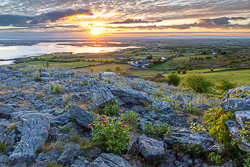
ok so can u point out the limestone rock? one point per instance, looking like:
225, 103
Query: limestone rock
80, 115
34, 128
70, 151
130, 96
151, 149
100, 95
110, 160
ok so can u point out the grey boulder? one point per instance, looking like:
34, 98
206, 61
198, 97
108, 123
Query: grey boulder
110, 160
34, 128
80, 115
44, 74
151, 149
184, 136
130, 96
100, 95
162, 106
70, 151
6, 112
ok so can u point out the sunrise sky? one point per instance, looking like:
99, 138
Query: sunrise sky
125, 17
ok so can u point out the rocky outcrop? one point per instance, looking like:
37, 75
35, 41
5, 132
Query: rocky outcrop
70, 151
184, 136
100, 95
162, 106
80, 115
151, 149
34, 129
110, 159
234, 129
130, 96
6, 112
53, 154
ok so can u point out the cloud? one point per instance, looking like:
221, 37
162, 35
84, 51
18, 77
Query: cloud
129, 21
17, 20
56, 15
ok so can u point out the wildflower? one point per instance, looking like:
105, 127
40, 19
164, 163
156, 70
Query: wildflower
96, 111
69, 92
102, 122
91, 119
55, 82
123, 123
119, 115
121, 107
109, 115
114, 101
129, 117
89, 127
134, 133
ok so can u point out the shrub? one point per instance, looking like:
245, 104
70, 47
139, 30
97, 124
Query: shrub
111, 108
190, 108
184, 72
178, 71
198, 83
158, 129
225, 85
56, 88
117, 69
36, 76
112, 136
173, 79
215, 118
2, 146
67, 98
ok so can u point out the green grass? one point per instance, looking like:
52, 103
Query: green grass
104, 68
60, 64
240, 77
146, 72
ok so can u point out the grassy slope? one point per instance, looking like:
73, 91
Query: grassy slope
240, 77
64, 65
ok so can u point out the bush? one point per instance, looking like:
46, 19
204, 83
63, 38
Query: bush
158, 129
112, 136
225, 85
56, 88
111, 108
67, 98
184, 72
178, 71
215, 120
173, 79
199, 83
117, 69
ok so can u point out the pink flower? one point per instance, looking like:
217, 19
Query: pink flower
129, 117
54, 81
69, 92
102, 122
114, 101
96, 111
119, 115
109, 115
89, 127
123, 123
134, 133
121, 107
91, 119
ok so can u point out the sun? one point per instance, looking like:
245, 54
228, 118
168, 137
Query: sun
95, 31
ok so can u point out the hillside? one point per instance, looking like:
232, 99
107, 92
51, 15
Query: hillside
59, 117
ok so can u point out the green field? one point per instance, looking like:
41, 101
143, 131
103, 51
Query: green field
103, 68
60, 64
240, 77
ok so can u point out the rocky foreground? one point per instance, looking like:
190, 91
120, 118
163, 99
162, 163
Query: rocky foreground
40, 127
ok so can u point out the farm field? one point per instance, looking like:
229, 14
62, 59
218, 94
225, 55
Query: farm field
240, 77
60, 64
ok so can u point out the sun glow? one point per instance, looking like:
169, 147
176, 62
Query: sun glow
96, 31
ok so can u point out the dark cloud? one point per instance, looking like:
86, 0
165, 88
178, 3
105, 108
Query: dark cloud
56, 15
17, 20
128, 21
238, 18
